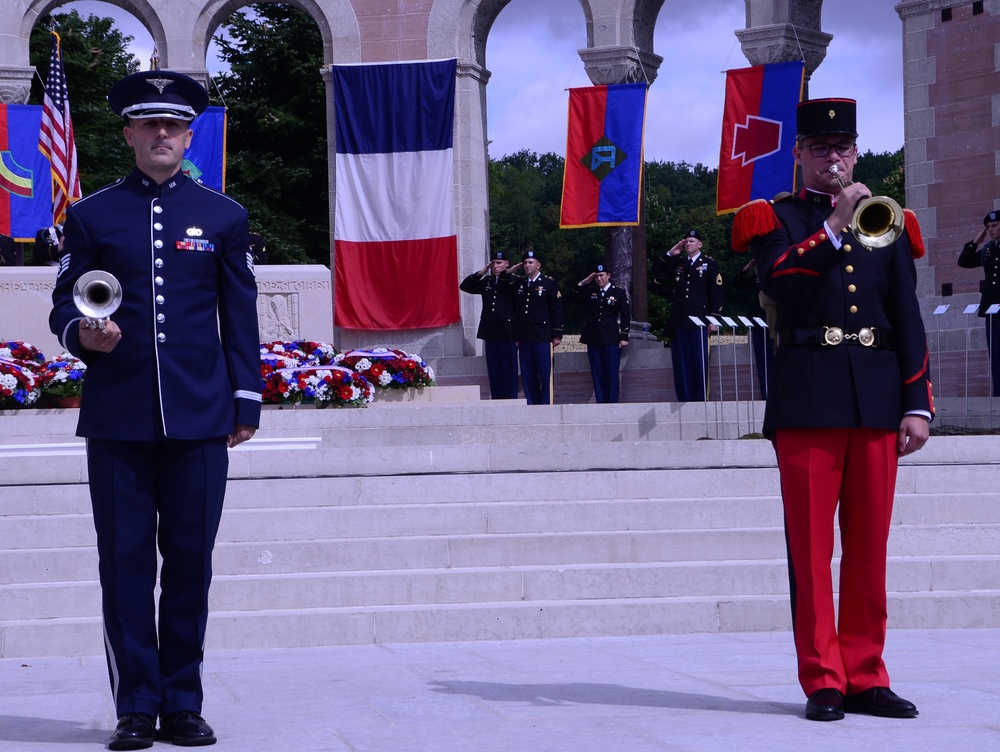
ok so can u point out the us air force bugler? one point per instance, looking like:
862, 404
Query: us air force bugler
173, 380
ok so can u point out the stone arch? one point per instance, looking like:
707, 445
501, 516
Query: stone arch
141, 9
336, 19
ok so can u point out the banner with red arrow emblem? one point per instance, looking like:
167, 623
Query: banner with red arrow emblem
758, 132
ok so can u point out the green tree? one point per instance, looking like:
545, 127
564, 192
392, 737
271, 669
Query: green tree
883, 174
95, 56
525, 196
277, 134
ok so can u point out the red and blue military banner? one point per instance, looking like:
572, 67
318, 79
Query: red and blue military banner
25, 173
758, 133
395, 238
205, 159
603, 173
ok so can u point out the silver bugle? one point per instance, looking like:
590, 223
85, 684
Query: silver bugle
97, 294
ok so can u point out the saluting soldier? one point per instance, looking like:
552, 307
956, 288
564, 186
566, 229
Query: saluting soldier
538, 327
173, 381
849, 394
605, 330
496, 323
987, 255
693, 283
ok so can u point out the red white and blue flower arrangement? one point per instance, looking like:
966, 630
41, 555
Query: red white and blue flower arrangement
303, 372
62, 377
389, 369
19, 364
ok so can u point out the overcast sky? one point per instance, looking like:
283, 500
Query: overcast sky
532, 55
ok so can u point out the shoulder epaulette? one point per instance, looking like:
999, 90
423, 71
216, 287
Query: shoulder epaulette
913, 233
753, 220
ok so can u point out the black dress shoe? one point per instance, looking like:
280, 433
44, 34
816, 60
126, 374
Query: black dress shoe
825, 705
185, 729
134, 731
880, 701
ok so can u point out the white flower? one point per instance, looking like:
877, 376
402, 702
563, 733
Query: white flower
8, 381
385, 378
363, 365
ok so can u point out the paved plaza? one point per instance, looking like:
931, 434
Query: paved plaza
669, 693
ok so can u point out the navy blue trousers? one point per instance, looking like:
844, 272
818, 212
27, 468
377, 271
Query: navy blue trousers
501, 366
689, 355
604, 362
536, 370
147, 494
993, 349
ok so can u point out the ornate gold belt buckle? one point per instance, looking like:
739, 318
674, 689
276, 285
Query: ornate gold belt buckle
832, 335
866, 336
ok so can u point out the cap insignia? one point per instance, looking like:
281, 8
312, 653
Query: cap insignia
159, 83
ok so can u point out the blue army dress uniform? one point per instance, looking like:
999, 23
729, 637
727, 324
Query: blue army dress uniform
605, 327
694, 289
987, 257
538, 319
496, 327
157, 409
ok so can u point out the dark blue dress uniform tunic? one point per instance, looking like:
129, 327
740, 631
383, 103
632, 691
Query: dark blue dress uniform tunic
156, 412
847, 385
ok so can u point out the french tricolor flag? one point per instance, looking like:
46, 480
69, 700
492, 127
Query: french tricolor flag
758, 133
395, 243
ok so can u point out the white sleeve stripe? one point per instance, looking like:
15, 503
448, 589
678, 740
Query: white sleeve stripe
247, 394
65, 331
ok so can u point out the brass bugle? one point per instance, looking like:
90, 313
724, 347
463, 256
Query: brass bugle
877, 220
97, 294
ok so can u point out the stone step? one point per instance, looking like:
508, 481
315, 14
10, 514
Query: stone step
302, 591
70, 564
237, 630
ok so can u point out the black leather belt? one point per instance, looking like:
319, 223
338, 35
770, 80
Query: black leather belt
831, 336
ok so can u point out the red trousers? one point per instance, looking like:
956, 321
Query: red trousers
819, 467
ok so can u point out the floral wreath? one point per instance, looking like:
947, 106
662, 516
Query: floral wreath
389, 369
19, 362
302, 371
62, 376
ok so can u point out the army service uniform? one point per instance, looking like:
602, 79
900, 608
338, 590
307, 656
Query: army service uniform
988, 257
538, 319
496, 329
606, 325
694, 288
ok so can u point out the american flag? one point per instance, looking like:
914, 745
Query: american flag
56, 138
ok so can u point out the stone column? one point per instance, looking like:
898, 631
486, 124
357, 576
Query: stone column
625, 247
472, 198
15, 84
782, 30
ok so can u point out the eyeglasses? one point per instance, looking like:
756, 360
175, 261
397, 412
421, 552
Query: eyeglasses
823, 150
